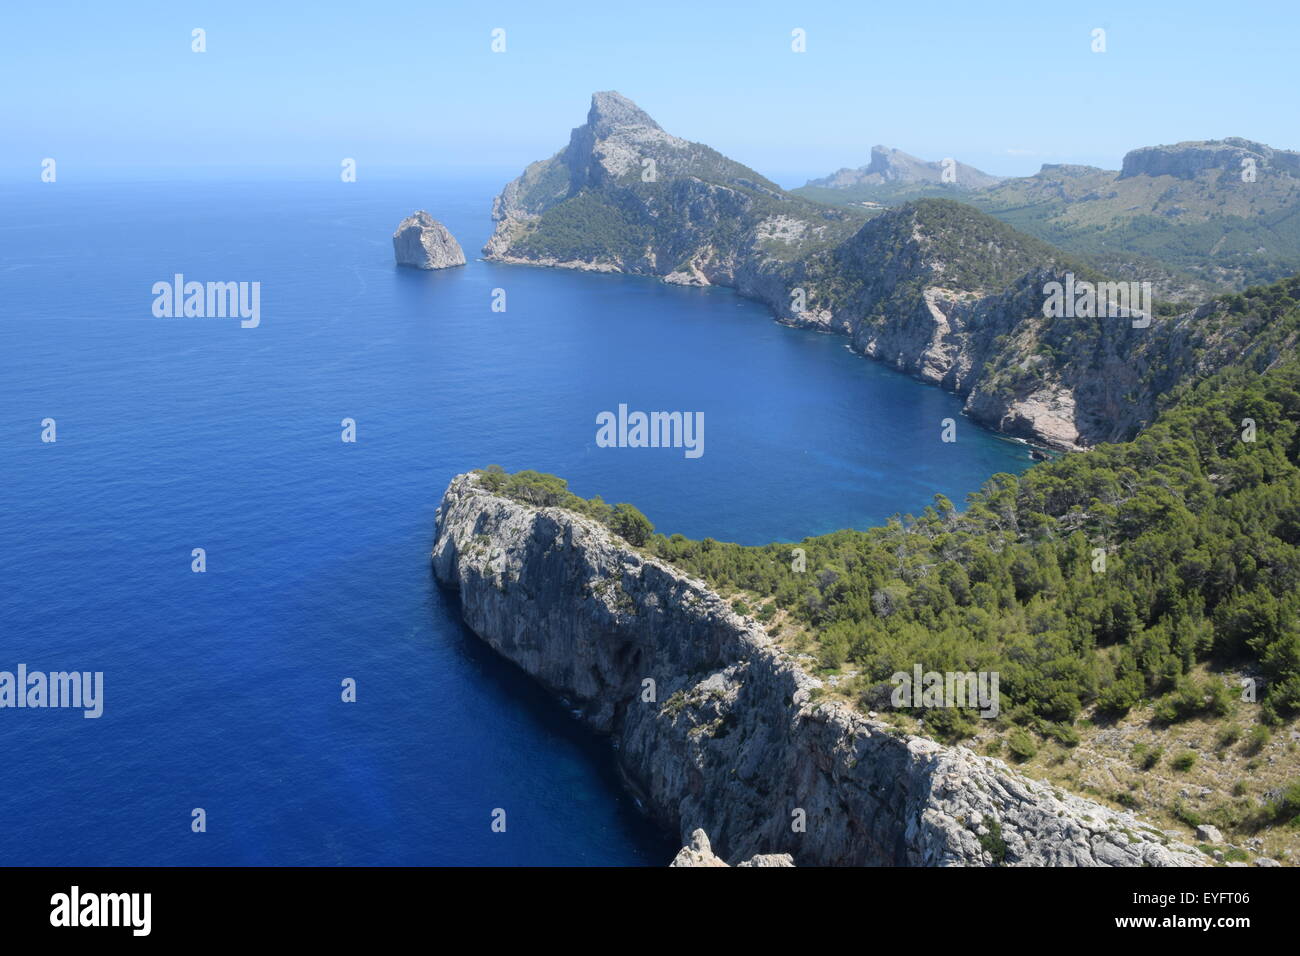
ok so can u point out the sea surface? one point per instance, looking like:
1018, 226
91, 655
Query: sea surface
223, 688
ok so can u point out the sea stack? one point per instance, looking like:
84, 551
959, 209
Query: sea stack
423, 242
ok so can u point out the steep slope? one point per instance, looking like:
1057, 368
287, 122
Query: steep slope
716, 727
936, 289
626, 196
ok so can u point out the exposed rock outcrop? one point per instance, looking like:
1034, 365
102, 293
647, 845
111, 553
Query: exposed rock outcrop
1220, 157
699, 852
718, 729
625, 195
423, 242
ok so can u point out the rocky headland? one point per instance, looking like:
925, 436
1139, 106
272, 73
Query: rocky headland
719, 730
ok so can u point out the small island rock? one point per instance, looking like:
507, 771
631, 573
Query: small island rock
423, 242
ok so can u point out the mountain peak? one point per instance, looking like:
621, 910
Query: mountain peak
893, 167
610, 109
885, 159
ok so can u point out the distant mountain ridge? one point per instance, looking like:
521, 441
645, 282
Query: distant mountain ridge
1195, 217
1186, 160
893, 166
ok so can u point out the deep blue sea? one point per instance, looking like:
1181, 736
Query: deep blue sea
222, 689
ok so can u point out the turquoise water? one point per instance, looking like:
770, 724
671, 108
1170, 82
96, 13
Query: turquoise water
222, 689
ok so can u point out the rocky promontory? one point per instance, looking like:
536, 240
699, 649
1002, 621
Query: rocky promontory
424, 243
718, 729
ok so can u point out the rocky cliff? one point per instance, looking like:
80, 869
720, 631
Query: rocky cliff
1221, 157
423, 242
626, 196
717, 729
956, 299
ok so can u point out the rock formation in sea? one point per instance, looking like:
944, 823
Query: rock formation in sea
423, 242
717, 729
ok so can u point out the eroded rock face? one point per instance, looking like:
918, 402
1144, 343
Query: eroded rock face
424, 243
731, 742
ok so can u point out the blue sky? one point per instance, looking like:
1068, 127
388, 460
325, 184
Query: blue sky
114, 89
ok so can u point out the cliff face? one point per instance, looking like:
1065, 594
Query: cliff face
955, 298
1189, 160
1067, 382
941, 292
727, 738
